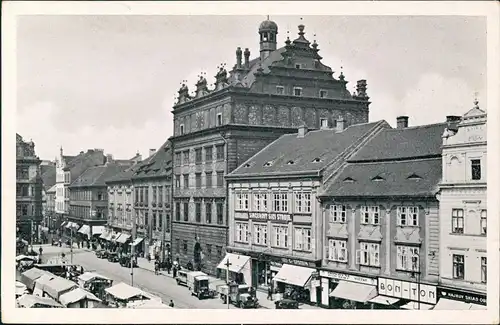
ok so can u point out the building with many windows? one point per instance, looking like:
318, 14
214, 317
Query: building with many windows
381, 217
28, 190
275, 217
218, 129
463, 258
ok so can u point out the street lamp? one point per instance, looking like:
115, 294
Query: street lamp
415, 273
228, 264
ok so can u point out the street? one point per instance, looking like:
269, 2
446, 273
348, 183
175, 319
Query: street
160, 285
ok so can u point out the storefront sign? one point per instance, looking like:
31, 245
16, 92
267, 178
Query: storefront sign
278, 261
275, 264
407, 290
468, 297
286, 260
348, 277
270, 216
315, 283
241, 215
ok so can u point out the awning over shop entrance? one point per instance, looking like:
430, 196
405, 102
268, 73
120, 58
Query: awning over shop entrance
85, 229
105, 235
122, 239
294, 275
354, 291
237, 262
114, 236
448, 304
413, 305
136, 241
71, 224
384, 300
97, 230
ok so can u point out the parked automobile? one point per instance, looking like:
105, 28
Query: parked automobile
113, 257
197, 283
125, 260
286, 304
101, 253
238, 295
181, 277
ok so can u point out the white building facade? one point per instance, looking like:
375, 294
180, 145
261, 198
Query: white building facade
463, 214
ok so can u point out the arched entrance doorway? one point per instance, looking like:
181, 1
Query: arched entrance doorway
197, 256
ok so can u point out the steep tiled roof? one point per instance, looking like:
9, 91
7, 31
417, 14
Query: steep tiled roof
82, 162
96, 176
249, 78
48, 173
417, 141
291, 153
125, 175
159, 164
389, 178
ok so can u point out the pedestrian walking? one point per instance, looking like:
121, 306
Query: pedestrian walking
40, 250
270, 293
157, 267
171, 304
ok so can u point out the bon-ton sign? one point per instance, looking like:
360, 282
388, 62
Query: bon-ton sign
468, 297
270, 216
407, 290
348, 277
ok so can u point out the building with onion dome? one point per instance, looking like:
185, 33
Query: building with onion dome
251, 105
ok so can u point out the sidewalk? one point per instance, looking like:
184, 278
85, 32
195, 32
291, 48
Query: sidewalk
213, 282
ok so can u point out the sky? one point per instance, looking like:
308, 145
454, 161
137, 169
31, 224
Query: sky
109, 81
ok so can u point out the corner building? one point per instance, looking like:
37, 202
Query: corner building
218, 129
463, 214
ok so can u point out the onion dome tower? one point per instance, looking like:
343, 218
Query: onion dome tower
268, 30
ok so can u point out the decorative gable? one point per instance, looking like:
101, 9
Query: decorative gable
408, 235
370, 233
338, 230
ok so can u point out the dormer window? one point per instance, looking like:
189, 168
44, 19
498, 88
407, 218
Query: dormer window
297, 66
316, 160
247, 165
297, 91
290, 162
414, 177
280, 90
349, 180
323, 93
182, 129
269, 163
378, 178
219, 119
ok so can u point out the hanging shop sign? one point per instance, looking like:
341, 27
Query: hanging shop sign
468, 297
270, 216
348, 277
407, 290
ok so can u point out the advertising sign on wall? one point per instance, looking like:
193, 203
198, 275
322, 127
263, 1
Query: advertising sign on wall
407, 290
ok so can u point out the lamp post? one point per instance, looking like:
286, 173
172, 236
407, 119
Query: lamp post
132, 252
228, 264
71, 243
415, 265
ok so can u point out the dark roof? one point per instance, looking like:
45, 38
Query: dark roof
48, 173
290, 153
249, 78
417, 141
159, 164
124, 176
391, 178
97, 175
83, 161
69, 158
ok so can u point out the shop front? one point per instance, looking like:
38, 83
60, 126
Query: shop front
137, 247
122, 242
456, 299
238, 266
399, 294
347, 291
296, 282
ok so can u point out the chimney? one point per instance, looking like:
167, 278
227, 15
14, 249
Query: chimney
361, 88
81, 152
453, 118
109, 158
302, 131
238, 58
340, 124
402, 122
247, 58
151, 152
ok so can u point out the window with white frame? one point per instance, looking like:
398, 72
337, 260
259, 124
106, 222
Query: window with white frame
407, 216
241, 232
484, 270
483, 222
302, 240
369, 254
458, 266
280, 90
370, 215
337, 250
280, 236
280, 202
407, 258
260, 233
338, 213
241, 201
302, 202
260, 201
297, 91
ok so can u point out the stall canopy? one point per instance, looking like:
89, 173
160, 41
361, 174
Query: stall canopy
29, 301
85, 229
237, 262
384, 300
413, 305
294, 275
448, 304
88, 276
136, 241
21, 288
97, 230
123, 238
123, 291
105, 235
76, 295
354, 291
55, 286
30, 276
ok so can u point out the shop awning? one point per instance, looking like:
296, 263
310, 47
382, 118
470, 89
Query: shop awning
294, 275
354, 291
97, 230
113, 236
237, 262
448, 304
384, 300
136, 241
413, 305
105, 235
85, 229
64, 223
123, 238
73, 225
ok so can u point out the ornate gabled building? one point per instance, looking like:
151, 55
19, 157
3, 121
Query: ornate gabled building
218, 129
28, 190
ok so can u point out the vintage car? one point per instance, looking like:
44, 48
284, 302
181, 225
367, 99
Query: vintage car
101, 253
113, 257
238, 295
125, 260
286, 304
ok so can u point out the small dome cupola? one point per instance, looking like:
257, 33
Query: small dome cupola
268, 30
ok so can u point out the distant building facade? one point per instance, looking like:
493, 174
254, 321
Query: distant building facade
463, 214
218, 129
28, 190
